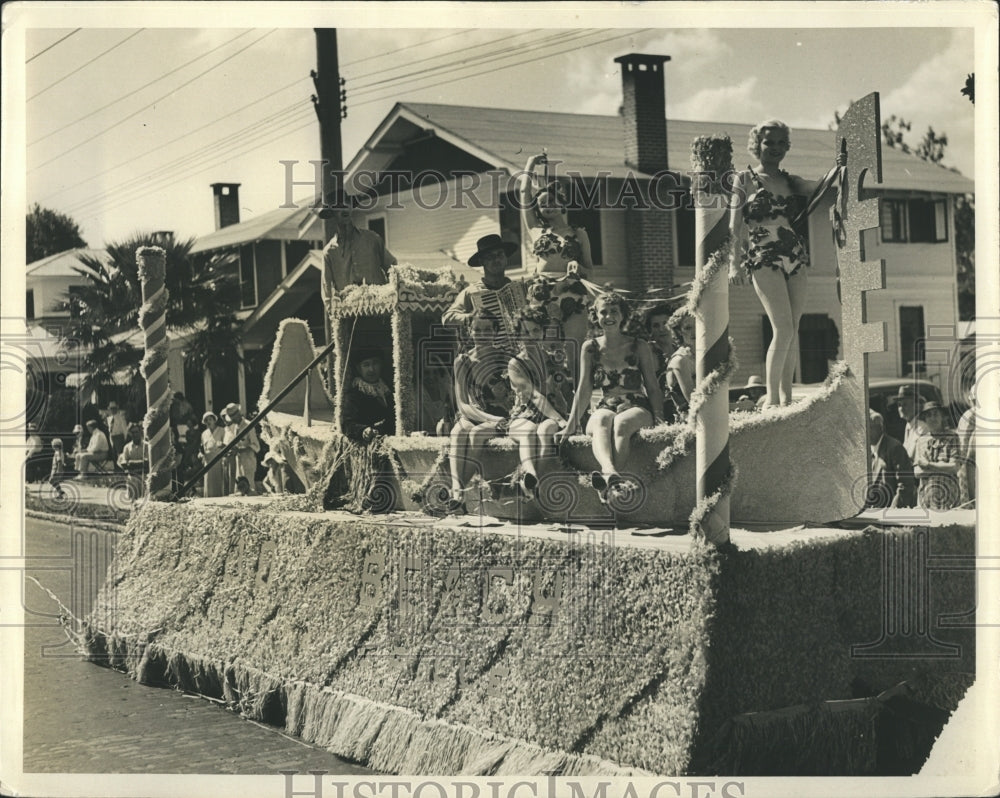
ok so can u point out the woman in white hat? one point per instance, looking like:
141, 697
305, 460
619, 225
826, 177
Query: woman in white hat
211, 445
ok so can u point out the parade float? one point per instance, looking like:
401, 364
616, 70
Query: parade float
562, 636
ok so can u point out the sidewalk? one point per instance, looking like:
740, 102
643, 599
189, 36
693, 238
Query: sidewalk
83, 499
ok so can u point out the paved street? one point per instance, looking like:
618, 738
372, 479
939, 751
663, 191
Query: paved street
83, 718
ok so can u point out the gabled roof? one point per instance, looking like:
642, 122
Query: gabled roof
590, 144
584, 143
64, 264
280, 224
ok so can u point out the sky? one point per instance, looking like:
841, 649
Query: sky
127, 126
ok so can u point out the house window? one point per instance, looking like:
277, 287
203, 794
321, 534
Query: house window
684, 220
588, 216
295, 251
248, 280
911, 340
30, 310
914, 221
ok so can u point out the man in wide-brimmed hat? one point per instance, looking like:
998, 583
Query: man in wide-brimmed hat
491, 256
892, 483
246, 450
937, 461
369, 412
353, 256
909, 402
369, 409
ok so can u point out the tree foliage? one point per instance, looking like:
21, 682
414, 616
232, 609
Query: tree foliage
203, 297
49, 232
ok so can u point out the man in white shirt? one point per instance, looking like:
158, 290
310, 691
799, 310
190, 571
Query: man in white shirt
117, 426
134, 461
245, 452
97, 451
909, 403
352, 256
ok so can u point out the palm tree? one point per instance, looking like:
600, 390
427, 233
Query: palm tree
203, 297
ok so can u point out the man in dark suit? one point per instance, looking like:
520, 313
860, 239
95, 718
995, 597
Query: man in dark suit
893, 483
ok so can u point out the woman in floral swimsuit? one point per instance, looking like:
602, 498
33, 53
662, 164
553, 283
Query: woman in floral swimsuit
539, 408
771, 247
623, 369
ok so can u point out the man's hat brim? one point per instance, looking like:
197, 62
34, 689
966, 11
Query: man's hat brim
508, 247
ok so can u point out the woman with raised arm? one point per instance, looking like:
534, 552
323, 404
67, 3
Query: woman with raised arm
482, 398
563, 251
770, 245
623, 369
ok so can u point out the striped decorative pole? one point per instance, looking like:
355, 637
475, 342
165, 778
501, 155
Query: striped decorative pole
153, 322
709, 300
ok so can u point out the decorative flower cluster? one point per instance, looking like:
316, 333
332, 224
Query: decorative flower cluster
712, 154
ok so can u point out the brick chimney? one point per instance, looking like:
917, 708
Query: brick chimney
644, 111
649, 231
227, 204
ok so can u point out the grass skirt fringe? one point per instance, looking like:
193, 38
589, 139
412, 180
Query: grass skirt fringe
386, 738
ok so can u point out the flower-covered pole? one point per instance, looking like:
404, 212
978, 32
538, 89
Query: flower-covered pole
153, 322
709, 300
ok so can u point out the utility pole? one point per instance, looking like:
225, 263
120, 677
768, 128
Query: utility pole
327, 102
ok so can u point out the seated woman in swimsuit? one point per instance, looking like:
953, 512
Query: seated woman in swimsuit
539, 410
770, 243
483, 399
679, 375
622, 368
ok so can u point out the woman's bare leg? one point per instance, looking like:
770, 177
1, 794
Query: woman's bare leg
797, 294
626, 424
600, 428
772, 290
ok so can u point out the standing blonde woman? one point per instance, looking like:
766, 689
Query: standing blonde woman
770, 244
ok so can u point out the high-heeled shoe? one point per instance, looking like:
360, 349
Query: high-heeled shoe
600, 484
528, 483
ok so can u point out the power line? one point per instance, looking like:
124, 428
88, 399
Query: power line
83, 66
464, 63
147, 153
57, 41
195, 170
226, 141
412, 76
87, 140
440, 55
505, 66
409, 47
252, 132
144, 86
